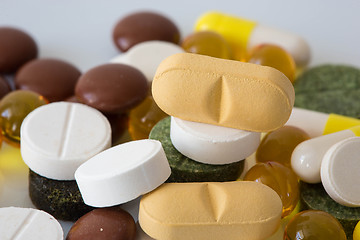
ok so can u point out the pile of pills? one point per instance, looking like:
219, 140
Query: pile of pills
194, 109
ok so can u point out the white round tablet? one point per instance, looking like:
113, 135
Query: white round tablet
58, 137
147, 56
28, 224
340, 172
122, 173
212, 144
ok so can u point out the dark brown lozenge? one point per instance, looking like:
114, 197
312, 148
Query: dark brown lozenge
112, 88
54, 79
4, 87
16, 48
144, 26
104, 224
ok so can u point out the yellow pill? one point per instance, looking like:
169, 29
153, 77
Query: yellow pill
356, 234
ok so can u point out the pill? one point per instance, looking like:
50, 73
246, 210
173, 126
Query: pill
112, 88
223, 92
281, 179
146, 56
231, 210
313, 224
340, 172
144, 26
307, 156
60, 198
4, 87
16, 47
122, 173
58, 137
273, 56
52, 78
243, 34
212, 144
184, 169
207, 43
14, 107
314, 197
278, 145
318, 123
356, 235
28, 224
104, 224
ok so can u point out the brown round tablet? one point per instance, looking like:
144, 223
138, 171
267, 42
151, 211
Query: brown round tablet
54, 79
144, 26
104, 224
112, 88
16, 48
4, 87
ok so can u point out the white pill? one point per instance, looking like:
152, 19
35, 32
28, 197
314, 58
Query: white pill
307, 156
123, 173
58, 137
340, 169
212, 144
147, 56
28, 224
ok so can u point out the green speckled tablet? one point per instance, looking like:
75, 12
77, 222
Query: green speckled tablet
314, 196
184, 169
329, 89
62, 199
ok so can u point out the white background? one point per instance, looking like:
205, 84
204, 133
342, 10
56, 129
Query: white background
80, 31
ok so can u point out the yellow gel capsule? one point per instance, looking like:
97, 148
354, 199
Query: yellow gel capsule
356, 234
243, 34
273, 56
207, 43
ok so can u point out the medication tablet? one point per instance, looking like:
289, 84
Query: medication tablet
223, 92
212, 144
122, 173
57, 138
28, 224
340, 172
231, 211
147, 56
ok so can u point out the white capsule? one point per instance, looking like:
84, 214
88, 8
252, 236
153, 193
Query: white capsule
147, 56
122, 173
28, 224
340, 172
212, 144
58, 137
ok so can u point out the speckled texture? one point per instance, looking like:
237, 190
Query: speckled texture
314, 196
329, 89
184, 169
62, 199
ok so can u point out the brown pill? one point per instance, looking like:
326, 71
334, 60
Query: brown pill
54, 79
112, 88
104, 224
4, 87
16, 48
144, 26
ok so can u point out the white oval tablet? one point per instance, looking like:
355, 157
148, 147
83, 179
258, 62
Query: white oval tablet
58, 137
212, 144
28, 224
122, 173
340, 169
147, 56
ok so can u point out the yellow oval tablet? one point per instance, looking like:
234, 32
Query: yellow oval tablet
223, 92
203, 211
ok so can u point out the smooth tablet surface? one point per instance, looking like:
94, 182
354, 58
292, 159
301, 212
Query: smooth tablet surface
340, 172
231, 210
28, 224
147, 56
122, 173
223, 92
57, 138
212, 144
